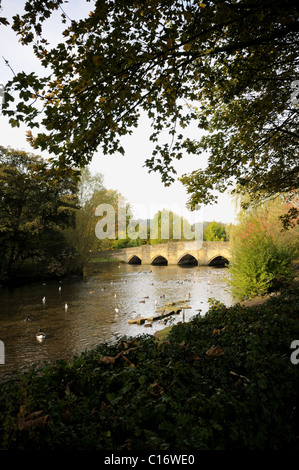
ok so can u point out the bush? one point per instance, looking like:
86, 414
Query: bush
260, 263
215, 231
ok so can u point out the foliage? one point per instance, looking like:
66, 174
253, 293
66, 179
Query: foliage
92, 193
36, 203
216, 63
126, 243
290, 208
258, 266
214, 231
261, 252
168, 226
220, 382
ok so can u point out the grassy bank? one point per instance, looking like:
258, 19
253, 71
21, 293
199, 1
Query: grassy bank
223, 381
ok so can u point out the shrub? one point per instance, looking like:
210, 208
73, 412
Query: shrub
260, 262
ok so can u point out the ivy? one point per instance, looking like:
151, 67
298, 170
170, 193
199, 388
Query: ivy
170, 395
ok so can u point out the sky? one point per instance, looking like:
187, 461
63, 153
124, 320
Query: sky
144, 191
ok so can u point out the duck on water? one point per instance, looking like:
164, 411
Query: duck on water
40, 336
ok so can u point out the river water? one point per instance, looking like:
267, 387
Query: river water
90, 317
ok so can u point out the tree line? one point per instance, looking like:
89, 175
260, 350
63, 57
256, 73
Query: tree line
47, 218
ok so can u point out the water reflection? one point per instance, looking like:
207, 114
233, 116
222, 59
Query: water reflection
78, 314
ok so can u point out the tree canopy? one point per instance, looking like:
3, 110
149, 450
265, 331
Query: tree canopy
91, 194
230, 66
36, 202
214, 231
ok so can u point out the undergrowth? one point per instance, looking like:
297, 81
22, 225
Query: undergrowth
222, 381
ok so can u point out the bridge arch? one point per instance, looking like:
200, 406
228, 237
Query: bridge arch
219, 261
159, 260
134, 259
188, 259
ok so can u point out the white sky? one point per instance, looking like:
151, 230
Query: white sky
143, 191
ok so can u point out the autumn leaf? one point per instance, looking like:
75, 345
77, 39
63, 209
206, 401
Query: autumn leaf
241, 379
187, 46
108, 360
32, 419
215, 351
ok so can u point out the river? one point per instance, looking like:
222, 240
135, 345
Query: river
90, 317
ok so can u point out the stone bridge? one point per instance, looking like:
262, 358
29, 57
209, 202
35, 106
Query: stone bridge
195, 253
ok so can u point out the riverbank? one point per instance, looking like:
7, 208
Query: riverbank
32, 278
228, 380
254, 302
161, 335
261, 300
